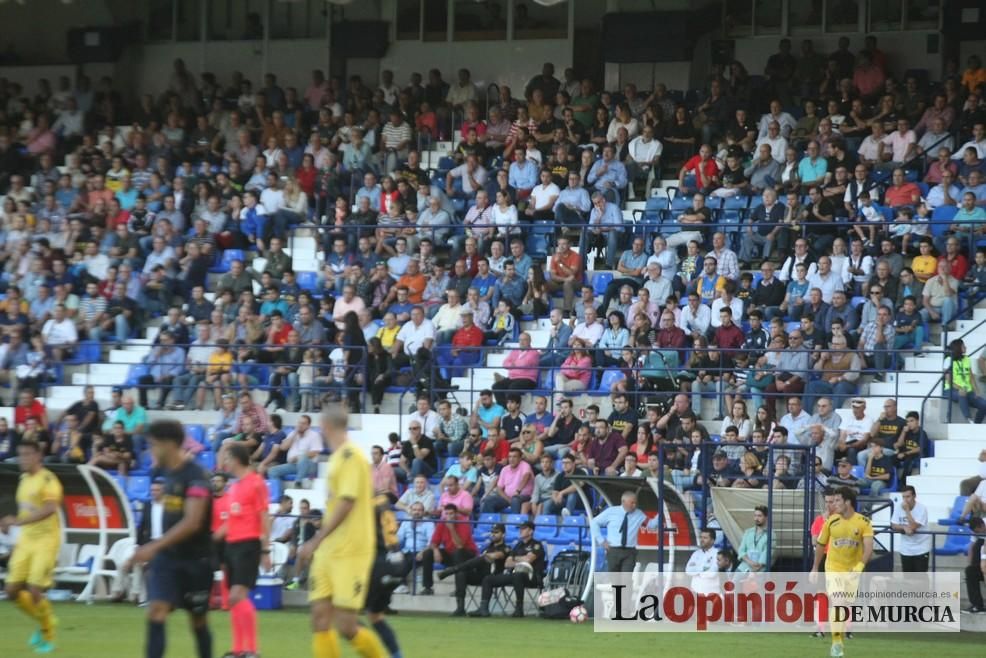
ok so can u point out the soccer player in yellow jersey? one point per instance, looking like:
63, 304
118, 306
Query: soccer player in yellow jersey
39, 495
343, 550
847, 540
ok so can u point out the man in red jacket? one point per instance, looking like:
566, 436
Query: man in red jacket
464, 348
451, 544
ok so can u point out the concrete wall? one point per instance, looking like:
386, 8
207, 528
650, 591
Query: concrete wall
35, 30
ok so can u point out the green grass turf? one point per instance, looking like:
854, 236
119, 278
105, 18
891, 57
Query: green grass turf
117, 631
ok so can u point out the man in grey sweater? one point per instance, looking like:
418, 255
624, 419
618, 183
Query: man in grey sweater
822, 429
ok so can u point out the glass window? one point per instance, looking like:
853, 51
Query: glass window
409, 20
303, 19
189, 20
841, 16
480, 21
805, 17
160, 20
535, 21
436, 20
767, 14
739, 18
922, 14
885, 14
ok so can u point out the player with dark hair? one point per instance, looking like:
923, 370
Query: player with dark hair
343, 549
180, 572
847, 538
387, 573
246, 532
32, 563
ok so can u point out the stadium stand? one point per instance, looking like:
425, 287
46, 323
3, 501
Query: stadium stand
596, 276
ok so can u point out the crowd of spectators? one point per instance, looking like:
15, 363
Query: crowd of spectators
798, 253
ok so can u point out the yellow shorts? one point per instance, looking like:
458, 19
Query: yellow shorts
343, 580
842, 581
33, 563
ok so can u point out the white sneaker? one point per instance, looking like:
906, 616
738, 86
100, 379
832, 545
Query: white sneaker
565, 512
836, 651
403, 589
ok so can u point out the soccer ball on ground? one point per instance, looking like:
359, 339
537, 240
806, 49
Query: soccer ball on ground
578, 614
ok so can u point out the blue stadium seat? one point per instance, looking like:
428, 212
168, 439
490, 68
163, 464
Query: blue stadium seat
571, 528
609, 378
87, 351
138, 487
513, 521
600, 280
941, 217
226, 260
485, 525
546, 526
956, 511
135, 373
274, 490
207, 460
196, 432
956, 543
308, 281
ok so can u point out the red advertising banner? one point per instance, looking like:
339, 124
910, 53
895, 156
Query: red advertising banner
81, 512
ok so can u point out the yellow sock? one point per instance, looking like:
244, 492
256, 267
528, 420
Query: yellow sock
47, 619
326, 644
26, 603
368, 645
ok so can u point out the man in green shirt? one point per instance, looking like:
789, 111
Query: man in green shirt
584, 103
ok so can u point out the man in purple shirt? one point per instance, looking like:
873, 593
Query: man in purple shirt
513, 487
606, 450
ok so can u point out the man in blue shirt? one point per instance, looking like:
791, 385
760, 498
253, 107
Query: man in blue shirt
165, 362
606, 221
512, 288
522, 175
572, 204
253, 219
632, 265
753, 551
370, 190
522, 262
621, 525
608, 175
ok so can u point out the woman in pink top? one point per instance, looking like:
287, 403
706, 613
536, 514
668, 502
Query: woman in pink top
522, 370
574, 373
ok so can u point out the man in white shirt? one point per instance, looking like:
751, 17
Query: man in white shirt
910, 518
727, 298
425, 416
60, 333
800, 255
702, 566
272, 198
589, 332
978, 142
448, 320
414, 335
643, 154
854, 432
695, 317
776, 141
303, 447
825, 279
541, 202
795, 418
777, 115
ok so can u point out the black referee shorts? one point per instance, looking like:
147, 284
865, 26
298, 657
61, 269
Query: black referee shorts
242, 561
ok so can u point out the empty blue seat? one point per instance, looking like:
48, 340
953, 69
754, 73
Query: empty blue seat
956, 543
307, 280
274, 490
956, 511
138, 487
87, 351
941, 218
600, 280
135, 372
206, 460
546, 526
572, 527
609, 378
196, 432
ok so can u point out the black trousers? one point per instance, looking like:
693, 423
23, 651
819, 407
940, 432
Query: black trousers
473, 575
513, 579
145, 382
621, 559
914, 563
973, 577
448, 559
501, 387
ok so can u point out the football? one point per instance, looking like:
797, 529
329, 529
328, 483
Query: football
578, 614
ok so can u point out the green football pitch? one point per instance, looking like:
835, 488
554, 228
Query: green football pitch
117, 631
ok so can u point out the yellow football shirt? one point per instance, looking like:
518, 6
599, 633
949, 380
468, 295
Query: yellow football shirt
33, 491
844, 538
349, 477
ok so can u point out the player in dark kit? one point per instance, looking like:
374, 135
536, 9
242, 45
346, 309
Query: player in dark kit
526, 565
180, 571
473, 571
387, 574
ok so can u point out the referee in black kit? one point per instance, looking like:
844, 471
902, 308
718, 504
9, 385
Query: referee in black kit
180, 571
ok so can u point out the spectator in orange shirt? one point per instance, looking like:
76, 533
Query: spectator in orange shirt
566, 273
975, 75
414, 281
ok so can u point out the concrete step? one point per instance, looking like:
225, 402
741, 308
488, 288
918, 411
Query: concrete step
966, 432
940, 466
935, 484
496, 359
108, 373
129, 355
967, 451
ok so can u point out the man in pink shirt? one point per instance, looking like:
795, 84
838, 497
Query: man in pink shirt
456, 495
513, 488
522, 370
348, 302
384, 480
